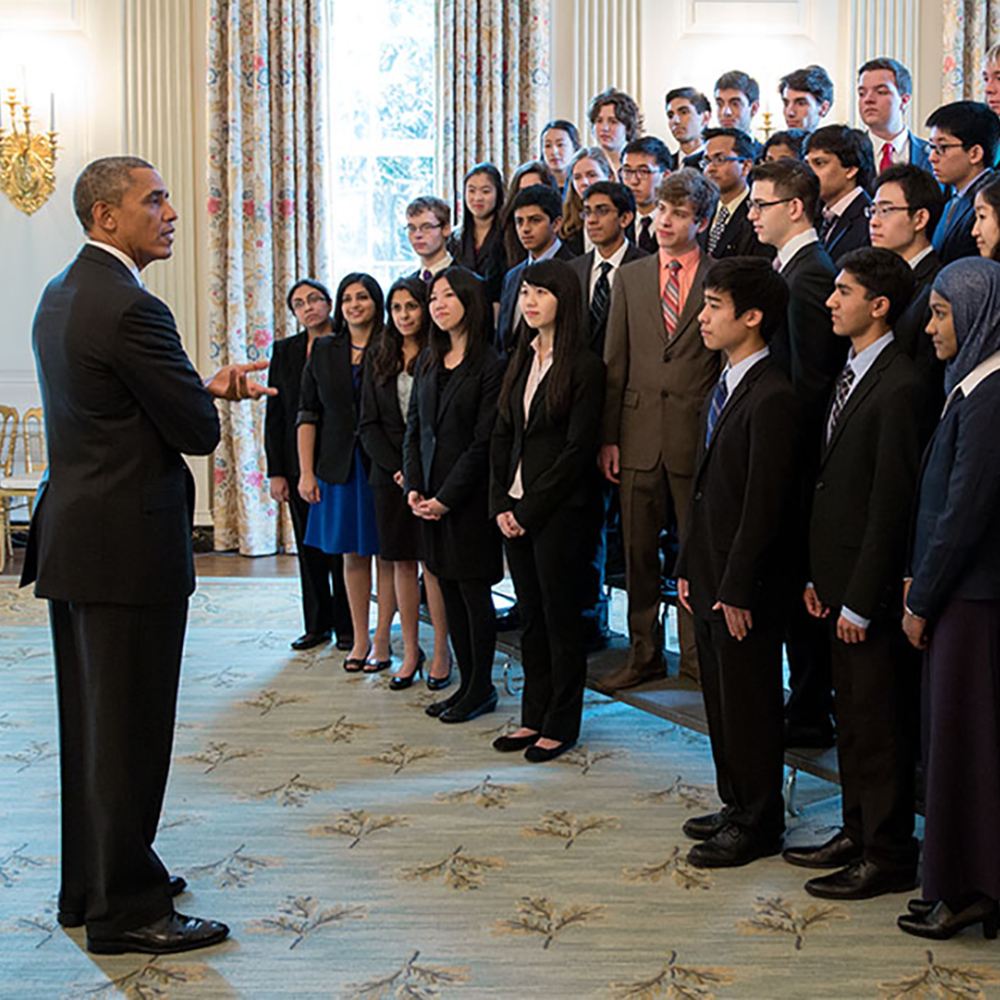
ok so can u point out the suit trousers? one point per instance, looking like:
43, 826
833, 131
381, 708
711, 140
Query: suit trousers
548, 568
472, 625
593, 539
649, 499
742, 686
876, 687
117, 671
324, 593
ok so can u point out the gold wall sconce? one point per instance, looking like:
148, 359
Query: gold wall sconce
27, 159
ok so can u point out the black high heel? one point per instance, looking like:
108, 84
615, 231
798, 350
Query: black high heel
374, 666
437, 683
400, 683
355, 664
940, 923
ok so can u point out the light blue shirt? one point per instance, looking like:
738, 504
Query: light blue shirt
734, 374
548, 254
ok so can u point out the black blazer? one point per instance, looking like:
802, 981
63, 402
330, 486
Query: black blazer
583, 267
956, 532
446, 455
737, 543
911, 326
381, 427
864, 490
288, 358
489, 261
558, 456
327, 400
953, 236
508, 299
122, 404
850, 230
738, 239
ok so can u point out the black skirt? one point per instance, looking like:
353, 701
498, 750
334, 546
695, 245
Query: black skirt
400, 531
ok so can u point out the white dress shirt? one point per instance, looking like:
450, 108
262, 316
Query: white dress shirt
794, 245
121, 255
615, 260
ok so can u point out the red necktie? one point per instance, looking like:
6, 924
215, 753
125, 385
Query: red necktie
886, 157
670, 301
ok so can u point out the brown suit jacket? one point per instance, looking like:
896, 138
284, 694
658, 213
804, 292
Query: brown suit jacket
655, 388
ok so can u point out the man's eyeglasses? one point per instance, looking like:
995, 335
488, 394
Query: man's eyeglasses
718, 160
759, 206
640, 173
941, 148
424, 228
883, 211
597, 211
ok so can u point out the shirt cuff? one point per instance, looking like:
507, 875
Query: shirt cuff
854, 618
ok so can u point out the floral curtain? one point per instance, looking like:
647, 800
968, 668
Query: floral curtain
970, 28
266, 210
494, 86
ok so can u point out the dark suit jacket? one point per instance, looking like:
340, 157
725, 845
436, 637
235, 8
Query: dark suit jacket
863, 496
327, 400
956, 533
489, 261
655, 387
919, 153
911, 326
737, 542
953, 236
288, 358
446, 455
122, 404
806, 349
738, 239
583, 266
558, 456
381, 427
850, 230
508, 299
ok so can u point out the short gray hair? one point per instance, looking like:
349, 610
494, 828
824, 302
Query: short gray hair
104, 180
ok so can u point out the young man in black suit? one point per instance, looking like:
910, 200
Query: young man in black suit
734, 569
784, 201
728, 160
885, 89
963, 149
875, 428
110, 548
428, 226
645, 162
841, 158
688, 113
806, 96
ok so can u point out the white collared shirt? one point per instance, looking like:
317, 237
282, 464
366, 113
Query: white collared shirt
914, 261
972, 380
839, 207
730, 206
539, 369
900, 144
437, 267
615, 260
794, 245
121, 255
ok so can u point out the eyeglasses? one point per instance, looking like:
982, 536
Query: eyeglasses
309, 300
883, 211
941, 148
759, 206
424, 228
639, 172
718, 160
598, 211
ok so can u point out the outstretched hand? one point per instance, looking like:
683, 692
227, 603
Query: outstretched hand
232, 382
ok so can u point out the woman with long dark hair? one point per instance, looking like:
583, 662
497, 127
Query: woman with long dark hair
545, 496
478, 245
446, 466
385, 404
559, 141
334, 469
986, 228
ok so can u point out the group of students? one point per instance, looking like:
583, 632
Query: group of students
798, 377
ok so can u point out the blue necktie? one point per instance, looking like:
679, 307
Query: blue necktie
715, 410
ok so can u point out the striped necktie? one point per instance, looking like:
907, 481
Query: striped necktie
671, 299
717, 229
844, 382
600, 300
715, 409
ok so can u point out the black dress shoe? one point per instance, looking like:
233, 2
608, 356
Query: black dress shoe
806, 737
510, 620
837, 852
437, 683
458, 713
704, 827
862, 880
70, 918
169, 934
509, 744
540, 755
401, 683
345, 643
732, 847
921, 907
940, 923
311, 639
437, 707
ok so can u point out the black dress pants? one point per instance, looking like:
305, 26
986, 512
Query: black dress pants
741, 683
472, 625
117, 671
324, 593
549, 572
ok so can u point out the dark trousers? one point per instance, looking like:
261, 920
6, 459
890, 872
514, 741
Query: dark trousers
548, 567
876, 691
809, 671
741, 684
324, 593
593, 541
117, 670
472, 625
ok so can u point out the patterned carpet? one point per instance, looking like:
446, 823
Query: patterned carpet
359, 849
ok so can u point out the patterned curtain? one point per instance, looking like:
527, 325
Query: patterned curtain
266, 209
970, 28
494, 90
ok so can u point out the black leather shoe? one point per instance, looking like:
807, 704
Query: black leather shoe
438, 683
805, 737
169, 934
510, 744
921, 907
704, 827
541, 755
510, 620
459, 714
345, 643
732, 847
311, 639
437, 707
70, 918
401, 683
862, 880
837, 852
940, 923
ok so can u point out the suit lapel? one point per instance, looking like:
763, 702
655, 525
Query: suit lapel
733, 404
692, 304
868, 382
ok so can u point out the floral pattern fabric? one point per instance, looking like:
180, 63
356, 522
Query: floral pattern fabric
266, 211
970, 28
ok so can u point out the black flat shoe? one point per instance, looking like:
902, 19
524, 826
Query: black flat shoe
401, 683
940, 923
862, 880
165, 936
437, 683
436, 708
838, 852
541, 755
458, 714
355, 664
71, 918
706, 827
508, 744
310, 640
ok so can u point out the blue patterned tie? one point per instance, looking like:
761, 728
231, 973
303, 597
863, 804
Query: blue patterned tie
714, 411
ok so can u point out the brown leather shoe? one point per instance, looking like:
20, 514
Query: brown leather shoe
631, 675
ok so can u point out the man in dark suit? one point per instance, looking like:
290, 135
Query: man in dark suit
875, 429
110, 548
784, 201
885, 90
841, 158
688, 112
734, 568
428, 228
645, 162
963, 149
728, 160
659, 372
